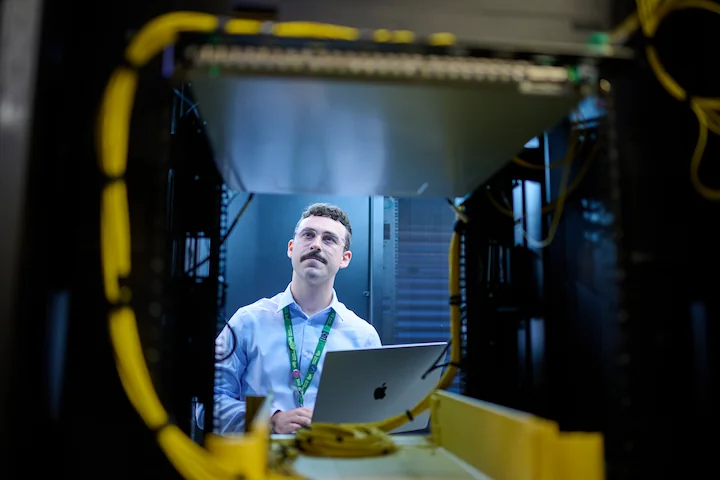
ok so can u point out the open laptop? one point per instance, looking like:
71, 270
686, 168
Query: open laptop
360, 386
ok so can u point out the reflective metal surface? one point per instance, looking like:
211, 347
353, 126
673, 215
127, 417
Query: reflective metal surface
310, 135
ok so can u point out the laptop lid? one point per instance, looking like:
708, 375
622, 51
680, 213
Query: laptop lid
369, 385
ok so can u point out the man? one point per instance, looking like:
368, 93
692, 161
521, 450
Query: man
254, 354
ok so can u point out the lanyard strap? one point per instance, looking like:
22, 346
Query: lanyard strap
302, 386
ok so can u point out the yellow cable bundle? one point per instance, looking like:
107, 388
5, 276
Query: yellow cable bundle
565, 189
315, 30
191, 460
707, 110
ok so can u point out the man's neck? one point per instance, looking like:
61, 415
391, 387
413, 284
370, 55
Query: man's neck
311, 298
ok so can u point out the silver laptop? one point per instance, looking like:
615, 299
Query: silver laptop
360, 386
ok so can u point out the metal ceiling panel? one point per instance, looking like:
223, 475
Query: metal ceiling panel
309, 121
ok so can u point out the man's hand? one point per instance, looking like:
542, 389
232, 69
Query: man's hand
291, 421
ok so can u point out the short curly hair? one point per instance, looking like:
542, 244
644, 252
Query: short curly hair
329, 211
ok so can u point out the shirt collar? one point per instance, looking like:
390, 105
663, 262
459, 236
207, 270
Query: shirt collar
286, 299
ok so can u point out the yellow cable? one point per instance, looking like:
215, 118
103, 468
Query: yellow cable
163, 32
651, 13
564, 192
240, 26
648, 17
556, 164
535, 166
559, 163
191, 460
626, 28
315, 30
442, 39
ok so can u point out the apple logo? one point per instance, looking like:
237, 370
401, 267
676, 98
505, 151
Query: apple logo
379, 393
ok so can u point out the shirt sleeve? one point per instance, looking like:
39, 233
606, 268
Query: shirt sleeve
230, 365
373, 340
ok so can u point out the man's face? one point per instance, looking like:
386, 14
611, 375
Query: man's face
318, 250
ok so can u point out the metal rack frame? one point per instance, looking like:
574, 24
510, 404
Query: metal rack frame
658, 398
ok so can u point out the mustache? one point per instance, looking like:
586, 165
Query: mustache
308, 256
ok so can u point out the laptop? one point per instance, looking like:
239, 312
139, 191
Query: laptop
369, 385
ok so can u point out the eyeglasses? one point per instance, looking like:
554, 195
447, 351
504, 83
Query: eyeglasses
308, 235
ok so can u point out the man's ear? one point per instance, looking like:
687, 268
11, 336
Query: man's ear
290, 249
347, 255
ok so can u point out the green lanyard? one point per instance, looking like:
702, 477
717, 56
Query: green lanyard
302, 386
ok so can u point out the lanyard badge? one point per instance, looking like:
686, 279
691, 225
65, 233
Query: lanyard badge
300, 384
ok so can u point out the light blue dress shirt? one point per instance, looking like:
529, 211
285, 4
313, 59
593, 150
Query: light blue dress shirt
260, 362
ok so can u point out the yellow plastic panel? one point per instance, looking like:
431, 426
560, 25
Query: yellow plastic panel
581, 455
506, 444
245, 454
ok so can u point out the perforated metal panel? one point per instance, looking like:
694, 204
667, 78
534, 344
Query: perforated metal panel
417, 301
390, 254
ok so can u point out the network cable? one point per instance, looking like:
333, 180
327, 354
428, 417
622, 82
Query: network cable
649, 16
651, 13
565, 189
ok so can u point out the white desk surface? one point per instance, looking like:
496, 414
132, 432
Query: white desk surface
417, 458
